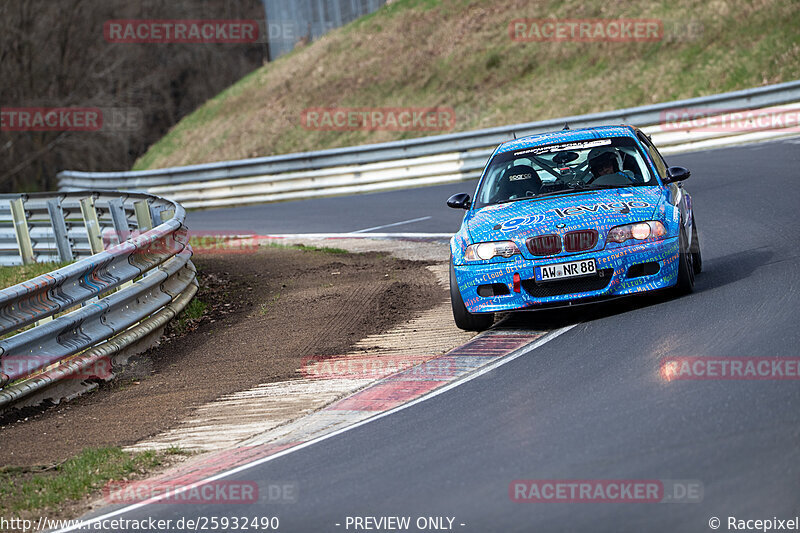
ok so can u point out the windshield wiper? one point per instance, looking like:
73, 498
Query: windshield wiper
582, 189
591, 186
585, 188
514, 200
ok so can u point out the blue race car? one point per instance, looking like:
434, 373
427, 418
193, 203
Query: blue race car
571, 217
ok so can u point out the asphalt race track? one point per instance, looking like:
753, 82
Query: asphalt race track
341, 214
590, 404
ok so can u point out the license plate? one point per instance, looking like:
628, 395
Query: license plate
574, 269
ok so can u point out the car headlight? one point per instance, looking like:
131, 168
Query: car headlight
486, 250
639, 231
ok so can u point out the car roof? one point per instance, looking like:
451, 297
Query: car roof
565, 136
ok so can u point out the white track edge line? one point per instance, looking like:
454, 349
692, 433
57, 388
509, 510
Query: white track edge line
402, 222
241, 468
352, 235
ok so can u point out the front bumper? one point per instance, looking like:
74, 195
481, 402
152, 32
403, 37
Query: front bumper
615, 263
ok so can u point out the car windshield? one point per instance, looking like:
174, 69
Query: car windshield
563, 169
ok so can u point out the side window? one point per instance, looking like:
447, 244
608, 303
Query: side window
661, 166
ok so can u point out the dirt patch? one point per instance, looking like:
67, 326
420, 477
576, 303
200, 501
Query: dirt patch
266, 311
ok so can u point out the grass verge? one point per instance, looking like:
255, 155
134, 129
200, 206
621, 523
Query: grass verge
223, 244
305, 248
47, 490
187, 318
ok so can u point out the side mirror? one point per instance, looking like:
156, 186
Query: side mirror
677, 174
459, 201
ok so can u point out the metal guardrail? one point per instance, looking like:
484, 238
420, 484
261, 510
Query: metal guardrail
423, 161
56, 227
104, 303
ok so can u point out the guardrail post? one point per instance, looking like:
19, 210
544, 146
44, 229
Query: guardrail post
21, 231
60, 231
119, 219
62, 240
93, 231
92, 225
143, 218
155, 213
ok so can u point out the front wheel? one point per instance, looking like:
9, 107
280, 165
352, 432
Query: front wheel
697, 259
686, 268
463, 318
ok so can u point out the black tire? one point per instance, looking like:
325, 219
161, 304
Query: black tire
685, 283
697, 258
463, 318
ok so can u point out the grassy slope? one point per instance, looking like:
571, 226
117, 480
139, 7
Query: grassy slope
458, 53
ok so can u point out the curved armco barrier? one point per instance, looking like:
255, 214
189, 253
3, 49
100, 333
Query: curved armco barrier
105, 303
445, 158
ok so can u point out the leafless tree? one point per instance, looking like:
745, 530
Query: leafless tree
53, 54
